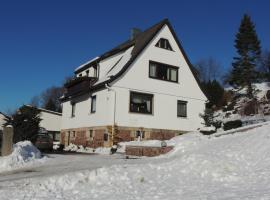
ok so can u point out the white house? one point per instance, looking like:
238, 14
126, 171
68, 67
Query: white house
51, 121
145, 87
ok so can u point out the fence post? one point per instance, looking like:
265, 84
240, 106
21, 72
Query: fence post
7, 140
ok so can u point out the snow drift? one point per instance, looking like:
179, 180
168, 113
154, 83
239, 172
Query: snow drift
234, 166
24, 154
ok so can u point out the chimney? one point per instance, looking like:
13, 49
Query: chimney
134, 33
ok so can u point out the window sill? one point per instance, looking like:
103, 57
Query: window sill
149, 114
182, 117
164, 80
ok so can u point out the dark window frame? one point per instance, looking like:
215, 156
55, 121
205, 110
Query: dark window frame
141, 94
73, 109
92, 108
167, 46
106, 137
182, 103
167, 67
140, 134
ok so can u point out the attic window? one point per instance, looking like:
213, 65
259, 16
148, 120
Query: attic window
164, 44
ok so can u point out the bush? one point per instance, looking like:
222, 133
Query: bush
232, 124
204, 132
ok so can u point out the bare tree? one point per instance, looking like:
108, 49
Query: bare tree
208, 69
264, 68
52, 95
35, 101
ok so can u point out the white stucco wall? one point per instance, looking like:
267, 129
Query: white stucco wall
50, 121
83, 116
165, 93
136, 78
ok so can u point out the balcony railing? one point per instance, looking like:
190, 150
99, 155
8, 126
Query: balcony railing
78, 85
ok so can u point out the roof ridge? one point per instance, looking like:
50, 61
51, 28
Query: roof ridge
121, 47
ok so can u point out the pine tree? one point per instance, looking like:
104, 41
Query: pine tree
215, 93
248, 47
25, 123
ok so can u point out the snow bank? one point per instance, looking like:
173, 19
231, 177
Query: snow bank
200, 167
81, 149
24, 154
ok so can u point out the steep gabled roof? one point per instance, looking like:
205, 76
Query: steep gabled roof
139, 43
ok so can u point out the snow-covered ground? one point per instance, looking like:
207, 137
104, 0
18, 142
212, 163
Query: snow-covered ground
81, 149
233, 166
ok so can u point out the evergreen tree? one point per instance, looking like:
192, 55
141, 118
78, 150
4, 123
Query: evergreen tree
208, 117
215, 93
244, 73
25, 123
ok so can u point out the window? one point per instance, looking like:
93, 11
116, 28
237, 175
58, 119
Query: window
141, 102
73, 134
140, 134
95, 71
90, 133
73, 108
106, 137
164, 44
80, 75
87, 73
181, 108
93, 104
163, 71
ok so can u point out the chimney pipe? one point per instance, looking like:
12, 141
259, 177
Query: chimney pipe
134, 33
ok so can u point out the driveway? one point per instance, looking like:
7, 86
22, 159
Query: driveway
65, 163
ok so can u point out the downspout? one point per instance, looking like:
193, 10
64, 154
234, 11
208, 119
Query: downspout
114, 109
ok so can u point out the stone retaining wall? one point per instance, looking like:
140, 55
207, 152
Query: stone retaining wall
81, 136
147, 151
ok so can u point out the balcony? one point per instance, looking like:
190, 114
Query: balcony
78, 85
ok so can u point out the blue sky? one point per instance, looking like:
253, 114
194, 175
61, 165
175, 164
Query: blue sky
42, 42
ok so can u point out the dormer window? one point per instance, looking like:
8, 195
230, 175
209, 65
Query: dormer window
164, 44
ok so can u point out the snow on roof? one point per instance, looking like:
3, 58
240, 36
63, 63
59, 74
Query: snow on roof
92, 60
47, 111
118, 65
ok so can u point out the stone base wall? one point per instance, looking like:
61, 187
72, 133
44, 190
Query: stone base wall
147, 151
94, 136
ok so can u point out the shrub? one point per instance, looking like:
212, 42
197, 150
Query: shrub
204, 132
232, 124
